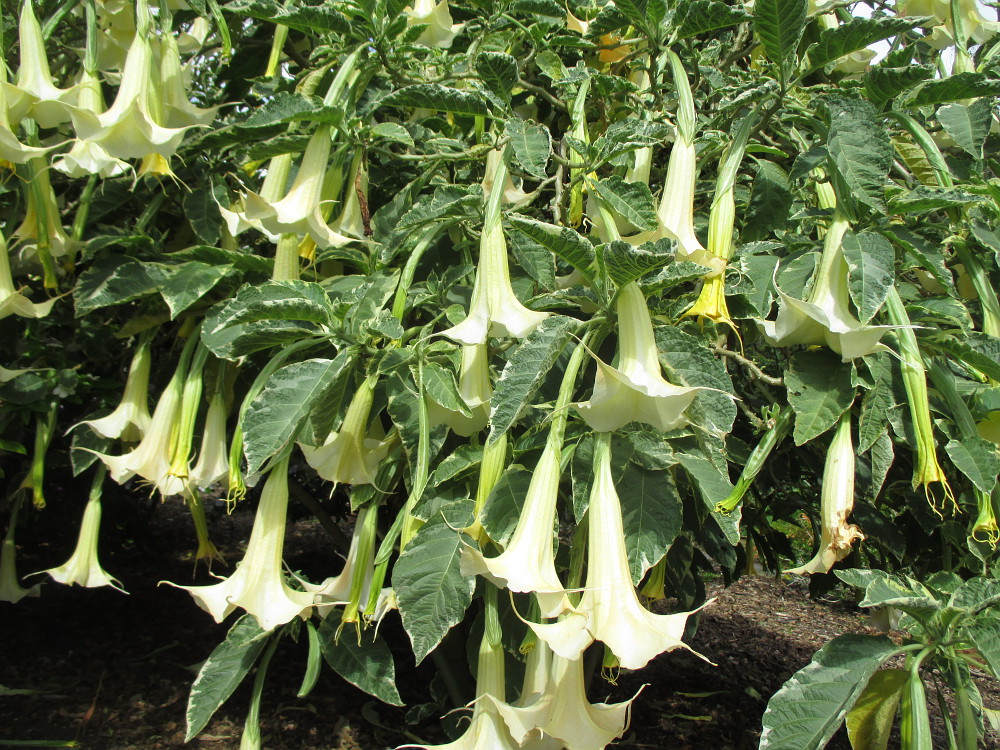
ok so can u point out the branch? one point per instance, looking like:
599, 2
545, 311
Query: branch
755, 371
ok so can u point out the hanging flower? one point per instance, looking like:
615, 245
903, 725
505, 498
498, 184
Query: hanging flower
824, 317
13, 106
440, 31
258, 585
86, 157
12, 301
178, 111
560, 710
10, 585
635, 390
60, 243
130, 419
475, 389
83, 568
609, 610
836, 503
213, 459
49, 105
495, 310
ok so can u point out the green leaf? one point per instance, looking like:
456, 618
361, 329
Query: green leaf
439, 383
967, 124
713, 486
309, 19
953, 88
984, 632
283, 406
202, 211
393, 131
284, 107
872, 264
532, 144
883, 84
525, 371
630, 200
366, 665
184, 284
498, 71
977, 459
806, 712
688, 361
652, 516
437, 97
924, 198
856, 34
304, 301
988, 237
111, 281
819, 391
976, 594
83, 450
223, 671
979, 351
430, 588
567, 245
625, 263
869, 723
694, 17
779, 25
878, 402
859, 148
769, 202
503, 506
534, 259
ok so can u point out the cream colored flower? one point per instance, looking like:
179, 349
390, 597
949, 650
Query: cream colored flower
609, 610
10, 585
213, 459
258, 585
635, 390
178, 111
836, 503
440, 31
49, 105
130, 420
86, 157
12, 301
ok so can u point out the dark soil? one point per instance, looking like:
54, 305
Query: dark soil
112, 671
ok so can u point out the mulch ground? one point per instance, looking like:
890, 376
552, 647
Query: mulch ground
112, 672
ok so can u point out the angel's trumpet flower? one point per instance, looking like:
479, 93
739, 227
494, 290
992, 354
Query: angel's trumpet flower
134, 126
83, 568
12, 301
348, 456
494, 310
178, 111
635, 390
130, 419
10, 585
258, 585
561, 709
49, 104
475, 389
42, 225
824, 317
358, 565
87, 157
440, 31
610, 610
13, 106
528, 561
974, 24
213, 459
985, 528
836, 503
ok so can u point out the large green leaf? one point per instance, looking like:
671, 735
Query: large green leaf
878, 403
625, 263
779, 25
977, 459
883, 84
984, 632
276, 416
525, 370
223, 671
430, 588
532, 144
953, 88
694, 17
968, 124
186, 283
713, 487
631, 200
111, 281
819, 390
859, 148
856, 34
366, 664
437, 97
808, 709
498, 71
563, 242
869, 723
871, 261
503, 506
651, 516
308, 19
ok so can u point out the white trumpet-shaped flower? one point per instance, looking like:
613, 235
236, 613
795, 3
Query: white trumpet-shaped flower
635, 390
609, 610
130, 420
86, 157
49, 105
213, 459
560, 710
440, 31
527, 563
134, 126
178, 111
10, 585
348, 456
83, 567
976, 26
300, 210
30, 231
13, 106
12, 301
494, 310
475, 389
258, 585
824, 317
836, 503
